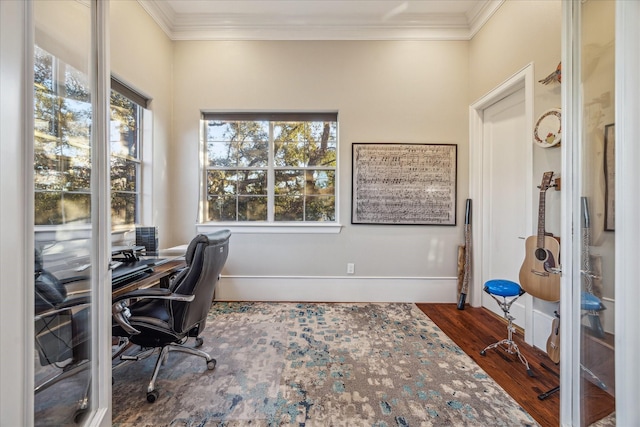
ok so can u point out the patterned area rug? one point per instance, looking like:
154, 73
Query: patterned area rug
317, 365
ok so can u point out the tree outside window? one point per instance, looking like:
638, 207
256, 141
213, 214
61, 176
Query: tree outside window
62, 149
271, 168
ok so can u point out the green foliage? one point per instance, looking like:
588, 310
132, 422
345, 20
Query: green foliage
62, 146
304, 162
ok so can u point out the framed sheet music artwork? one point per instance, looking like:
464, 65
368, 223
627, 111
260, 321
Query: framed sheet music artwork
395, 183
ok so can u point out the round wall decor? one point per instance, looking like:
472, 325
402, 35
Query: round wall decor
548, 129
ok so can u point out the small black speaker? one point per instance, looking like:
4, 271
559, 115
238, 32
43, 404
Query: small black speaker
147, 237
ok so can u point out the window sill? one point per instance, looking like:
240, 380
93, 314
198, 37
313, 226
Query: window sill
266, 228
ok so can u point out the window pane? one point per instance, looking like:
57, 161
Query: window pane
289, 208
49, 208
303, 160
322, 153
123, 208
320, 208
124, 174
252, 208
320, 182
221, 208
323, 131
253, 153
252, 182
124, 127
289, 182
221, 154
221, 182
290, 148
237, 143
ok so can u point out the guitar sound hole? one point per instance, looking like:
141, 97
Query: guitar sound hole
541, 254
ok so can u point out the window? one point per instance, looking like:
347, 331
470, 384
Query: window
62, 179
270, 167
125, 136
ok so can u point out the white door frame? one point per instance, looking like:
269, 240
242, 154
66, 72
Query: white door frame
524, 78
627, 315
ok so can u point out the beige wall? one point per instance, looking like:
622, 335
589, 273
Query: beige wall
384, 92
519, 33
142, 56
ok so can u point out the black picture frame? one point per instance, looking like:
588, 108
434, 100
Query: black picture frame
610, 177
404, 184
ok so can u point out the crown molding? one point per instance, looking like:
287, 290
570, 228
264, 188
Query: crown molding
203, 26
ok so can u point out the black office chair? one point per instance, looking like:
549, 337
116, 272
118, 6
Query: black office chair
164, 319
61, 331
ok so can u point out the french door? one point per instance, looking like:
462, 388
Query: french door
68, 72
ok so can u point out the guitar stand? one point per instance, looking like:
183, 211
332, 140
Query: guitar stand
594, 377
543, 396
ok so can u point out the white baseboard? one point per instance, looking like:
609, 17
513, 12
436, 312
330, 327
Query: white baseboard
337, 289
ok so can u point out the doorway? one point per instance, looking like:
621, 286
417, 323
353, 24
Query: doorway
501, 189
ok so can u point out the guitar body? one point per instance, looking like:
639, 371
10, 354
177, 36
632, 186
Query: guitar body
536, 273
553, 342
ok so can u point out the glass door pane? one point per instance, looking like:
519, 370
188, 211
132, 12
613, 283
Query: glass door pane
63, 115
597, 211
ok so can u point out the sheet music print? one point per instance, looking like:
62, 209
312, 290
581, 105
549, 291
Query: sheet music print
404, 183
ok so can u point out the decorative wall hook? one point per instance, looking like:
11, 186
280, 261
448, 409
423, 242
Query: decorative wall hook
556, 76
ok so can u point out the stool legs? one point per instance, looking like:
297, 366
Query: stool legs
509, 345
505, 289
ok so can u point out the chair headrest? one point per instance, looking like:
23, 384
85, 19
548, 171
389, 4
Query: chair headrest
218, 237
214, 238
191, 249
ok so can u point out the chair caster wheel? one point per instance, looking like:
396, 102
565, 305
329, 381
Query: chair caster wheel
199, 342
152, 396
78, 416
483, 353
211, 364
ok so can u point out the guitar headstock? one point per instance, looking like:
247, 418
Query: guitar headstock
546, 181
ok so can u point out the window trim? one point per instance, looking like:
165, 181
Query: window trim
243, 227
144, 175
271, 227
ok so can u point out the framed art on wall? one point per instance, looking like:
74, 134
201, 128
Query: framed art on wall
610, 177
396, 183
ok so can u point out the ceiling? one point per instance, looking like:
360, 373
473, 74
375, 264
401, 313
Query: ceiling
320, 19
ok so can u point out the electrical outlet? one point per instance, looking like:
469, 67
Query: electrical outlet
351, 268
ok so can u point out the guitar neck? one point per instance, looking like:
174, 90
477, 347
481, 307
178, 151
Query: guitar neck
541, 213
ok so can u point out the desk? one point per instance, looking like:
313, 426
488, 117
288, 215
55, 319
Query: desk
160, 275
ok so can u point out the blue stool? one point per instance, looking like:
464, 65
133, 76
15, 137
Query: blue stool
508, 291
592, 307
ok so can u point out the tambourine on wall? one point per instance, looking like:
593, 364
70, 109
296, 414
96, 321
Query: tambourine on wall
547, 131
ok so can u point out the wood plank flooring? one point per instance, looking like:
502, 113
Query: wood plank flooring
472, 329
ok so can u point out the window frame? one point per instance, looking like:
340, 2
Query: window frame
144, 115
270, 225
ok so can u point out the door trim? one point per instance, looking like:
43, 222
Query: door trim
524, 78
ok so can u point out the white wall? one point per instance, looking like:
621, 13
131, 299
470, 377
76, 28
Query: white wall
142, 56
413, 92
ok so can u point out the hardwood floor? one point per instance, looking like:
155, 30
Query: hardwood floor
472, 329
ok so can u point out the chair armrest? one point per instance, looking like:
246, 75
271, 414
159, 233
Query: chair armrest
65, 306
120, 307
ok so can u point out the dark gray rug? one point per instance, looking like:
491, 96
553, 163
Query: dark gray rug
317, 365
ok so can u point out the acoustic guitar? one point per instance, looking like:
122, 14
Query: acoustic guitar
539, 273
553, 342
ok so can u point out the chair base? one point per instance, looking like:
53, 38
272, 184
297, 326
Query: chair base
510, 347
152, 393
